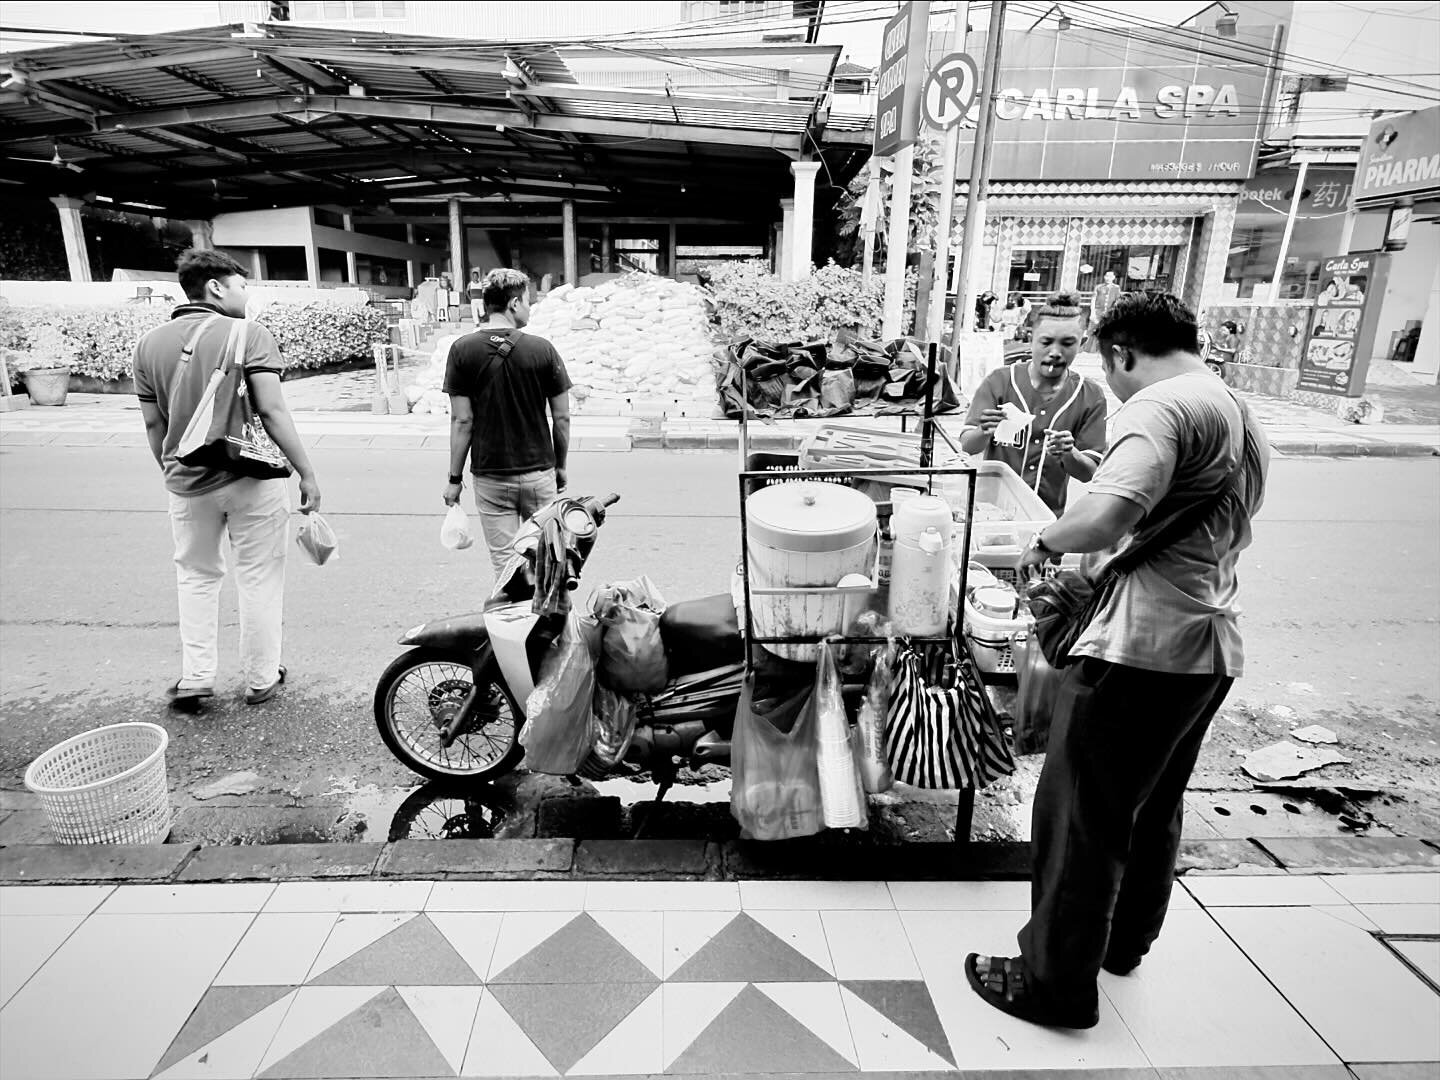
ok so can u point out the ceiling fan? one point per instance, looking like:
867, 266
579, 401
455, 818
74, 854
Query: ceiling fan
57, 161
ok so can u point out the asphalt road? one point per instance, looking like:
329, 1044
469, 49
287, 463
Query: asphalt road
1341, 590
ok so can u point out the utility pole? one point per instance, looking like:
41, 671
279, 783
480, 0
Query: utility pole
935, 324
907, 36
979, 175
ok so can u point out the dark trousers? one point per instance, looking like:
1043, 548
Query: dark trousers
1107, 815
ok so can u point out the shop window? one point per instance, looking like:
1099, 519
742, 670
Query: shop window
1035, 271
1137, 267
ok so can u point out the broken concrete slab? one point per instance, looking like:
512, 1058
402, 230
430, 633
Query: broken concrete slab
1285, 761
92, 862
1315, 734
1360, 854
237, 783
282, 862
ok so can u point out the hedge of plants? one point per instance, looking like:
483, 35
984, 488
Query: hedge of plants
310, 335
832, 303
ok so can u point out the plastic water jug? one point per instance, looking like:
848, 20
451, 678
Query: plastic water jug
920, 566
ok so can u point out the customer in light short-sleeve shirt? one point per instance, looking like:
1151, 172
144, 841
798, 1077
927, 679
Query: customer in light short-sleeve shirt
1154, 666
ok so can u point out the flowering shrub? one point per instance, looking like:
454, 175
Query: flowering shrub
750, 301
309, 335
314, 334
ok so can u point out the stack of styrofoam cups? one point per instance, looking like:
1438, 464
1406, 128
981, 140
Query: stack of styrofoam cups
842, 798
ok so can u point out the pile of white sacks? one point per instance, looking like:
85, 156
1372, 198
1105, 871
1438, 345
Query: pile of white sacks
636, 336
640, 335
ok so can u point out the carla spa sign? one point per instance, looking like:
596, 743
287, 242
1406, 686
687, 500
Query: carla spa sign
1097, 104
1085, 103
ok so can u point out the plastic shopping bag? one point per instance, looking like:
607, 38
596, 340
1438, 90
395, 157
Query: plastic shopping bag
1036, 694
317, 539
874, 765
556, 735
612, 726
455, 533
775, 782
842, 799
632, 652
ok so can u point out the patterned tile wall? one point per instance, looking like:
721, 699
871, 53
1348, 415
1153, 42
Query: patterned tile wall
1212, 251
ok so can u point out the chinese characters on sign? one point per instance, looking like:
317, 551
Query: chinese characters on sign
1334, 360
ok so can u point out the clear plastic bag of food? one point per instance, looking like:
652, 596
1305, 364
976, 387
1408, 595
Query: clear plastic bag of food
556, 735
775, 783
317, 539
612, 726
455, 531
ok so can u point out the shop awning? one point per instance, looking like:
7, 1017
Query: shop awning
239, 117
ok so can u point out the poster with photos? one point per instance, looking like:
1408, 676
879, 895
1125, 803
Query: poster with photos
1328, 363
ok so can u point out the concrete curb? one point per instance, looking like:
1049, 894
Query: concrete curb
827, 857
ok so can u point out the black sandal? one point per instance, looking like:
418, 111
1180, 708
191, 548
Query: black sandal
1004, 986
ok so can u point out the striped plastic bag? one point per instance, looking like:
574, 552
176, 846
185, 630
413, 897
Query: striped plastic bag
941, 736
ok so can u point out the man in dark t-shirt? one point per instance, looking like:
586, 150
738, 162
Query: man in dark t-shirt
500, 381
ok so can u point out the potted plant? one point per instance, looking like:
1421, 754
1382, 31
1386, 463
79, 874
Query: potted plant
45, 365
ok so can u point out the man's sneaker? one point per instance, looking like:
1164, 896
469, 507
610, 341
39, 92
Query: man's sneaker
258, 697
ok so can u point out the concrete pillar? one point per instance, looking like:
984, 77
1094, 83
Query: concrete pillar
787, 238
1070, 258
804, 202
670, 252
569, 242
73, 229
312, 262
202, 234
457, 245
257, 265
412, 267
607, 260
352, 264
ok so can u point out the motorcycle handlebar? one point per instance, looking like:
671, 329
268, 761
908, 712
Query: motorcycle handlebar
610, 500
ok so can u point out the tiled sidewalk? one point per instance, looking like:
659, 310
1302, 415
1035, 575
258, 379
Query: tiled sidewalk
1295, 976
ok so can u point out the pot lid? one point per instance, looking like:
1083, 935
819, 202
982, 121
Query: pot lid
810, 516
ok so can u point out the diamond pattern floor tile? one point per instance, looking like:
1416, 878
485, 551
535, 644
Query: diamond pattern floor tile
315, 1009
222, 1009
744, 951
447, 1013
499, 1048
819, 1008
236, 1054
413, 954
354, 932
908, 1006
869, 945
881, 1045
689, 1009
579, 952
568, 1021
634, 1048
755, 1035
381, 1038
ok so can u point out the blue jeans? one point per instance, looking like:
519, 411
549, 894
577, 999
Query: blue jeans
504, 503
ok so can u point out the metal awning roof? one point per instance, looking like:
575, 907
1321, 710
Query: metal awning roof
235, 117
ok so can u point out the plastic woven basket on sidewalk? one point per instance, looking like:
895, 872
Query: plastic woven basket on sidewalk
105, 786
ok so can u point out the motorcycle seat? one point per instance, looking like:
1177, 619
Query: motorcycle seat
701, 634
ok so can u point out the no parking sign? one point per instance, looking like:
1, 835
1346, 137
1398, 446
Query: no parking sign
950, 91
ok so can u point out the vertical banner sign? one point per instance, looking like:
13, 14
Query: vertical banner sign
1337, 352
897, 109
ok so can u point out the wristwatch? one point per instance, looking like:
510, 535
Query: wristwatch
457, 478
1037, 543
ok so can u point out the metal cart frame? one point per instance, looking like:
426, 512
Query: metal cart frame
965, 809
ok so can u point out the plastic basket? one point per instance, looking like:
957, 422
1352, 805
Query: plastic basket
1022, 514
105, 786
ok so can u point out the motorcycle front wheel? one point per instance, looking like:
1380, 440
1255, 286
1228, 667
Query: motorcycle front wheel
421, 692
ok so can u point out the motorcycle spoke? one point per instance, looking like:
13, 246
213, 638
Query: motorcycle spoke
421, 691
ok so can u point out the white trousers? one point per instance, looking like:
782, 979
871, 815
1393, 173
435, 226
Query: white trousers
255, 517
